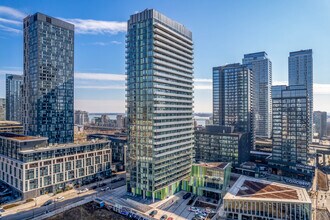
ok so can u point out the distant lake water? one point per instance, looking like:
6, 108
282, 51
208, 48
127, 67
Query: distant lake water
199, 120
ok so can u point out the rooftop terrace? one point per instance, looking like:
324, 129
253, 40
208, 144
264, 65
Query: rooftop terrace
19, 137
248, 188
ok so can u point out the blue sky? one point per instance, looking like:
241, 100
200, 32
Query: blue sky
222, 32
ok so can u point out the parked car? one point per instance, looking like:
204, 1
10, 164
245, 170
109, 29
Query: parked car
94, 187
83, 190
59, 198
164, 217
153, 213
103, 184
193, 209
186, 196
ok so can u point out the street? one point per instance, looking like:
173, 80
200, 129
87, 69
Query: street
70, 197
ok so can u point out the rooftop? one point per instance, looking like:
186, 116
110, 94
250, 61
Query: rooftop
48, 147
217, 165
19, 137
248, 188
6, 123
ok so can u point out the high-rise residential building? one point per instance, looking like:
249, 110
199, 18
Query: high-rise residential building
2, 109
291, 133
320, 124
48, 78
301, 73
81, 117
261, 67
159, 104
216, 143
14, 97
233, 101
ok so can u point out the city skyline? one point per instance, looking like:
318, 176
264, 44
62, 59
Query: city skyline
100, 83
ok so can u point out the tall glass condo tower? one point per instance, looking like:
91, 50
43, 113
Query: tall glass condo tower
48, 78
159, 104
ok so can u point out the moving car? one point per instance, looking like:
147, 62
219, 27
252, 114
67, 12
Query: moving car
186, 196
153, 213
164, 217
49, 202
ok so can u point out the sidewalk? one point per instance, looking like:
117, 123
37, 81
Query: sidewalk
40, 200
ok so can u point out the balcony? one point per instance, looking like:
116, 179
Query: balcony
170, 53
173, 128
176, 61
165, 30
173, 66
172, 49
167, 81
170, 87
175, 145
160, 36
174, 151
171, 76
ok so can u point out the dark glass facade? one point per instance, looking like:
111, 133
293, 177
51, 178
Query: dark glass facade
261, 67
14, 97
233, 99
291, 132
219, 143
48, 78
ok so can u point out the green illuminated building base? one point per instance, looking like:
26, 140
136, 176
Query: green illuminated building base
161, 193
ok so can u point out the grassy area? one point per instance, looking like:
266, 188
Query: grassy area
89, 211
10, 206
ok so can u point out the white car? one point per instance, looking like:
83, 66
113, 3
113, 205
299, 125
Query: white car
83, 190
59, 198
193, 209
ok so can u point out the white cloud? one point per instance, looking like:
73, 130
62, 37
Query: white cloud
203, 87
105, 43
100, 76
116, 42
319, 88
11, 12
82, 26
279, 83
203, 80
9, 29
9, 21
89, 26
16, 72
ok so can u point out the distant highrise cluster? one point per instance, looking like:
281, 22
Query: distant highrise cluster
81, 117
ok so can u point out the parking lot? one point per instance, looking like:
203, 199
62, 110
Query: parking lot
179, 208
